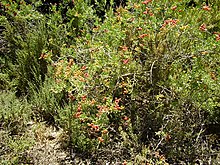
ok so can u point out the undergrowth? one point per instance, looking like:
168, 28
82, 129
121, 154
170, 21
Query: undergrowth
140, 79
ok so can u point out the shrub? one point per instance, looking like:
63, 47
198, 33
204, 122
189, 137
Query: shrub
145, 75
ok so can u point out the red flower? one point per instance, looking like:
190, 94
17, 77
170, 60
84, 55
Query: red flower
92, 102
43, 56
172, 22
124, 163
151, 14
147, 9
132, 19
125, 91
95, 127
97, 115
78, 114
141, 45
207, 8
125, 118
86, 75
125, 61
106, 30
84, 97
124, 48
143, 35
218, 37
100, 139
203, 27
173, 8
104, 99
83, 68
79, 108
146, 2
90, 124
118, 107
117, 101
81, 79
71, 62
71, 97
145, 12
105, 131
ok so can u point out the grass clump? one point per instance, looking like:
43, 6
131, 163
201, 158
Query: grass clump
14, 117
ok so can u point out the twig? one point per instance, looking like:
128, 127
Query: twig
151, 72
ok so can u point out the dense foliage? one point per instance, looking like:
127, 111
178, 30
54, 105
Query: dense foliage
136, 82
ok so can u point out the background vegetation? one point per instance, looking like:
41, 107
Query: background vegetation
133, 82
